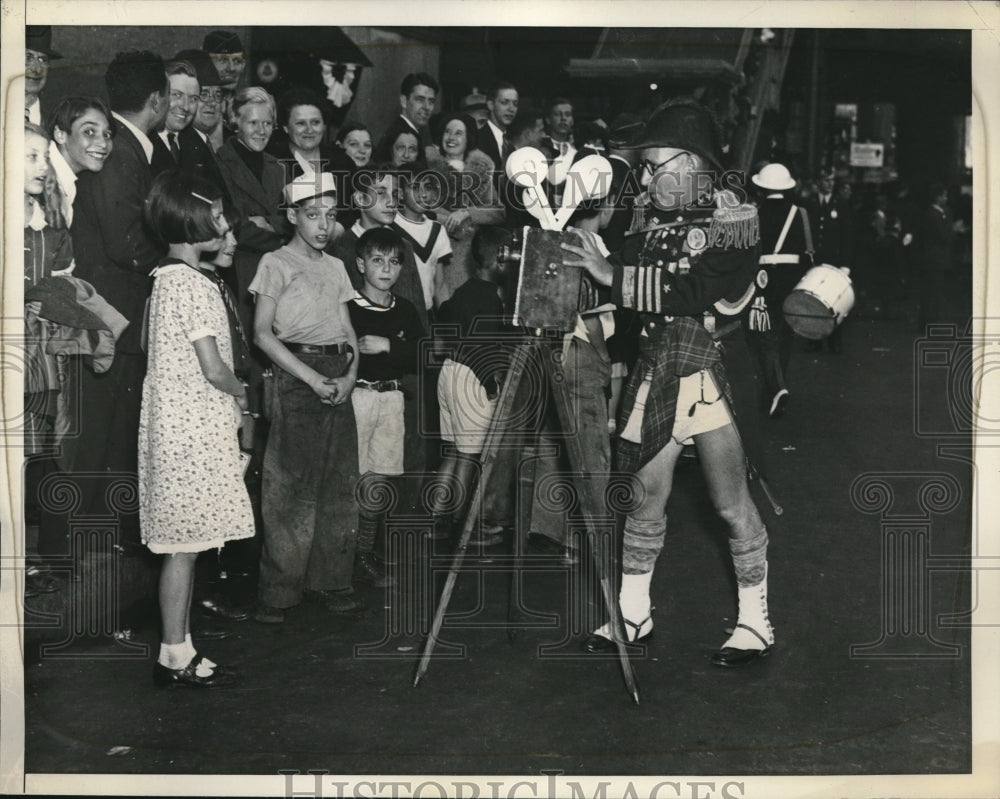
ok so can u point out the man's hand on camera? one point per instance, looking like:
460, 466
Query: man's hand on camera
589, 257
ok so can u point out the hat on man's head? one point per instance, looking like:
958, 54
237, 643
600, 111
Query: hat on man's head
774, 177
203, 65
683, 125
473, 102
222, 42
309, 185
39, 38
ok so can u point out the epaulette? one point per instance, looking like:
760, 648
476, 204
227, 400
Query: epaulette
734, 224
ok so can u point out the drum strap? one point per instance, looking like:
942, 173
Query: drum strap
806, 231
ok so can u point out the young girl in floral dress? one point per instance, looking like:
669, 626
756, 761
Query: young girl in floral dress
191, 492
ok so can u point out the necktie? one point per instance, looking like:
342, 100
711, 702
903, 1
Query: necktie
175, 149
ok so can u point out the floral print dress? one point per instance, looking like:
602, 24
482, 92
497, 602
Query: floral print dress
191, 492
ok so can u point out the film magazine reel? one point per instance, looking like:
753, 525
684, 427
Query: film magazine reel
548, 299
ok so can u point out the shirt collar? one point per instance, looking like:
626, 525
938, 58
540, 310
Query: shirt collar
497, 134
409, 122
67, 180
144, 142
356, 228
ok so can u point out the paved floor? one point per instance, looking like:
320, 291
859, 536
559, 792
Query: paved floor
870, 675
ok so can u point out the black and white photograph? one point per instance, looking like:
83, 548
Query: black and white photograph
500, 399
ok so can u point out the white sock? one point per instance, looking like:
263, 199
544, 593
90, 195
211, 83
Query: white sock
633, 599
204, 660
174, 656
634, 596
753, 613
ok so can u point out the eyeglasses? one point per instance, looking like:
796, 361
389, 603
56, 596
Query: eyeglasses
211, 95
652, 169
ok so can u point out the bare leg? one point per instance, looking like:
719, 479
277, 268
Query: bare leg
721, 456
176, 584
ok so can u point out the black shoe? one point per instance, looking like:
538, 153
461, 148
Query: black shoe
595, 643
730, 656
217, 608
37, 582
188, 676
211, 634
368, 570
339, 602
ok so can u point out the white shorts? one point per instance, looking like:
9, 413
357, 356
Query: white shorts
709, 414
379, 415
466, 411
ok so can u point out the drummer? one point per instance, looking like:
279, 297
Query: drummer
786, 254
692, 259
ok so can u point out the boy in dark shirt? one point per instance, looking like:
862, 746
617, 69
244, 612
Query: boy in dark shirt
473, 373
389, 331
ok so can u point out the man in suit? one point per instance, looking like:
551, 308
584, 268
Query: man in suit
226, 51
197, 150
558, 145
183, 96
832, 234
115, 252
37, 54
501, 102
417, 96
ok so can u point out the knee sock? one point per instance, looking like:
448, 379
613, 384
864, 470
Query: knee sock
642, 544
749, 557
367, 528
750, 561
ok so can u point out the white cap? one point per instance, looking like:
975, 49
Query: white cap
309, 185
774, 177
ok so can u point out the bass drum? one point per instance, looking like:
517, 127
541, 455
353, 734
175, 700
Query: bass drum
820, 302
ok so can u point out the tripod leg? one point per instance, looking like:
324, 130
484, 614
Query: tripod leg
592, 505
494, 435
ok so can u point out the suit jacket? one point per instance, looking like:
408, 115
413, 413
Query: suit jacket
114, 249
254, 198
832, 232
196, 157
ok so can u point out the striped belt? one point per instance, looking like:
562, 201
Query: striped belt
317, 349
778, 258
379, 385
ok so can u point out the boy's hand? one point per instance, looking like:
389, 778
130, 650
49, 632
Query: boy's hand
589, 257
325, 388
455, 219
373, 345
343, 387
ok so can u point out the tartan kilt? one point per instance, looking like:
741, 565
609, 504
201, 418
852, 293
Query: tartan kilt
672, 350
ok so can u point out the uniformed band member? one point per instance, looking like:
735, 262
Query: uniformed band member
693, 258
786, 254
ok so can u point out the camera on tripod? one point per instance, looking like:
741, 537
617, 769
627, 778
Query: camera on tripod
549, 293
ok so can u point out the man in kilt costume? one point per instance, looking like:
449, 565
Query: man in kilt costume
692, 266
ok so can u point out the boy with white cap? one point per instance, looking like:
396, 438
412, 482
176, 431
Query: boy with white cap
303, 325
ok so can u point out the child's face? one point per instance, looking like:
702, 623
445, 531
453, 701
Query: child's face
315, 220
380, 269
224, 257
36, 163
380, 203
221, 225
418, 196
88, 143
